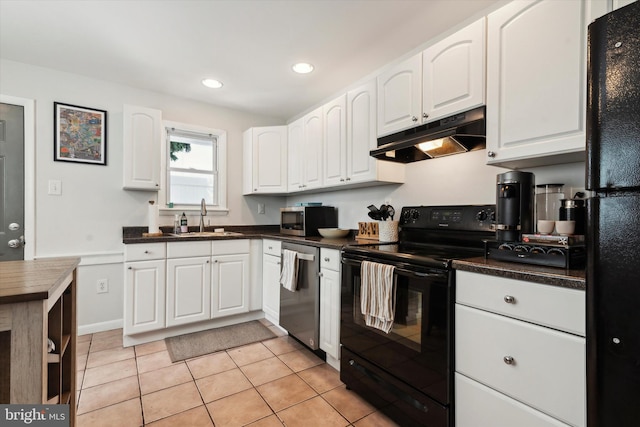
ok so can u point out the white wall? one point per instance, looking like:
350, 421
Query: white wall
87, 219
457, 180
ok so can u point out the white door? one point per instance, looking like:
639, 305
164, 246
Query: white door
229, 285
271, 287
400, 96
453, 73
361, 133
144, 296
142, 133
335, 141
270, 159
312, 150
330, 312
295, 141
11, 182
188, 290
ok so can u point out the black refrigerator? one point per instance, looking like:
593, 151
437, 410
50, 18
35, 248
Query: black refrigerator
613, 218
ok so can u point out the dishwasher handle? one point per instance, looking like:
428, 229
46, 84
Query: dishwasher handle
306, 257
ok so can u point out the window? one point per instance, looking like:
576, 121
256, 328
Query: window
195, 167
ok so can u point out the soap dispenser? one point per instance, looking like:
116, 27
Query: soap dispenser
184, 227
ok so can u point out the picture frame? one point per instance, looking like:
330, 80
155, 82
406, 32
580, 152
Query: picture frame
80, 134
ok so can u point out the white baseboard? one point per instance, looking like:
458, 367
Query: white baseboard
99, 327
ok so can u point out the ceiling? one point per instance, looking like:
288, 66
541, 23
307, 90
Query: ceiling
170, 46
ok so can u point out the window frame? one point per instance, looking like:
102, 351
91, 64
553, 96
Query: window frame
221, 158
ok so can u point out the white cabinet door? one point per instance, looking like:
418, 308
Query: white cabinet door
330, 312
229, 284
142, 130
188, 290
538, 366
536, 82
311, 154
361, 133
335, 141
295, 142
454, 73
144, 296
477, 405
265, 160
400, 96
271, 287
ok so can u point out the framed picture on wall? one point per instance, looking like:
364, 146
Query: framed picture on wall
80, 134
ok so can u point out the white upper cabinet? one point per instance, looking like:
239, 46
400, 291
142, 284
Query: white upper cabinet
536, 81
453, 70
361, 133
265, 160
305, 152
142, 130
335, 141
399, 96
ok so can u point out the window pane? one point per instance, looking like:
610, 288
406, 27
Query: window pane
199, 156
187, 188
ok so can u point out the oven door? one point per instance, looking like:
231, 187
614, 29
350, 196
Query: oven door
414, 360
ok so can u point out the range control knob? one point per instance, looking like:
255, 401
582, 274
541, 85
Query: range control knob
481, 216
415, 214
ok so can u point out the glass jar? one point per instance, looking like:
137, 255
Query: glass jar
548, 201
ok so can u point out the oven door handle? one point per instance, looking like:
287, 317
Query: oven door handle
421, 274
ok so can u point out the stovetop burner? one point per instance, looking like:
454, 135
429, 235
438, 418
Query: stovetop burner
434, 236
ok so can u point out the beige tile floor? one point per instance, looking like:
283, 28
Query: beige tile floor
275, 382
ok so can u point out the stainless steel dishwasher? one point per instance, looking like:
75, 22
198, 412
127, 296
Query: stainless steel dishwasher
300, 310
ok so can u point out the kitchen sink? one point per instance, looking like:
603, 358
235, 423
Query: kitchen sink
207, 234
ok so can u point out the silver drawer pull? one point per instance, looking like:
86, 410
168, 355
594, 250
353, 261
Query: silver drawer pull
509, 299
509, 360
327, 259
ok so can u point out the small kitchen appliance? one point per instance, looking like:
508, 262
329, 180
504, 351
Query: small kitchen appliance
613, 219
305, 220
408, 373
514, 205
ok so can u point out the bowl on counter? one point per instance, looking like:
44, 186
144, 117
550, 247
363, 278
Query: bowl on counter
333, 233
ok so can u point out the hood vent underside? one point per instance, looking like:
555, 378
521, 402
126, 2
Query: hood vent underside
452, 135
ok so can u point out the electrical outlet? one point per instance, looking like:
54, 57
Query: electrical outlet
102, 286
260, 208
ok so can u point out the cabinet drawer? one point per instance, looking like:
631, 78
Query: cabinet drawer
477, 405
547, 370
553, 306
271, 247
145, 251
228, 247
330, 258
188, 249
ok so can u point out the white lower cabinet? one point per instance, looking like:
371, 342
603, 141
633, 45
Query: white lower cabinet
188, 290
330, 304
481, 406
230, 277
514, 352
271, 279
144, 296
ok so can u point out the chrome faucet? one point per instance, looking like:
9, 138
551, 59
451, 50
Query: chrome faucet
203, 212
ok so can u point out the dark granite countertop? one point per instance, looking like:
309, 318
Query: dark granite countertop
133, 235
532, 273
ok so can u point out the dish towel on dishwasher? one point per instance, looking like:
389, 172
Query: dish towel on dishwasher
289, 273
377, 295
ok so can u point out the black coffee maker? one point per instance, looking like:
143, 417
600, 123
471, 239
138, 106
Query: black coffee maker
514, 205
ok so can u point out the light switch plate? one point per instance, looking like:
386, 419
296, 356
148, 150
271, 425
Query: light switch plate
55, 187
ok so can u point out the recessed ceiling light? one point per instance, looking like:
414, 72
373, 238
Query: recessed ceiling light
302, 68
212, 83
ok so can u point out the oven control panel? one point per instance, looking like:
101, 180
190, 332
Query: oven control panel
460, 217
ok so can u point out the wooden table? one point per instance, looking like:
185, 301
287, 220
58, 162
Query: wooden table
38, 301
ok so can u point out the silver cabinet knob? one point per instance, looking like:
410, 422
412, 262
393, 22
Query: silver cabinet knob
146, 252
491, 154
327, 259
509, 299
425, 115
348, 179
509, 360
414, 119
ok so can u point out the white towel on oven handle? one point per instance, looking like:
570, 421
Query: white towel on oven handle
377, 295
289, 272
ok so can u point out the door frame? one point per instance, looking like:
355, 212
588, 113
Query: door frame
29, 170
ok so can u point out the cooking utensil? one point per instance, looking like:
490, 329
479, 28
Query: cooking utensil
391, 211
372, 208
383, 212
375, 215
